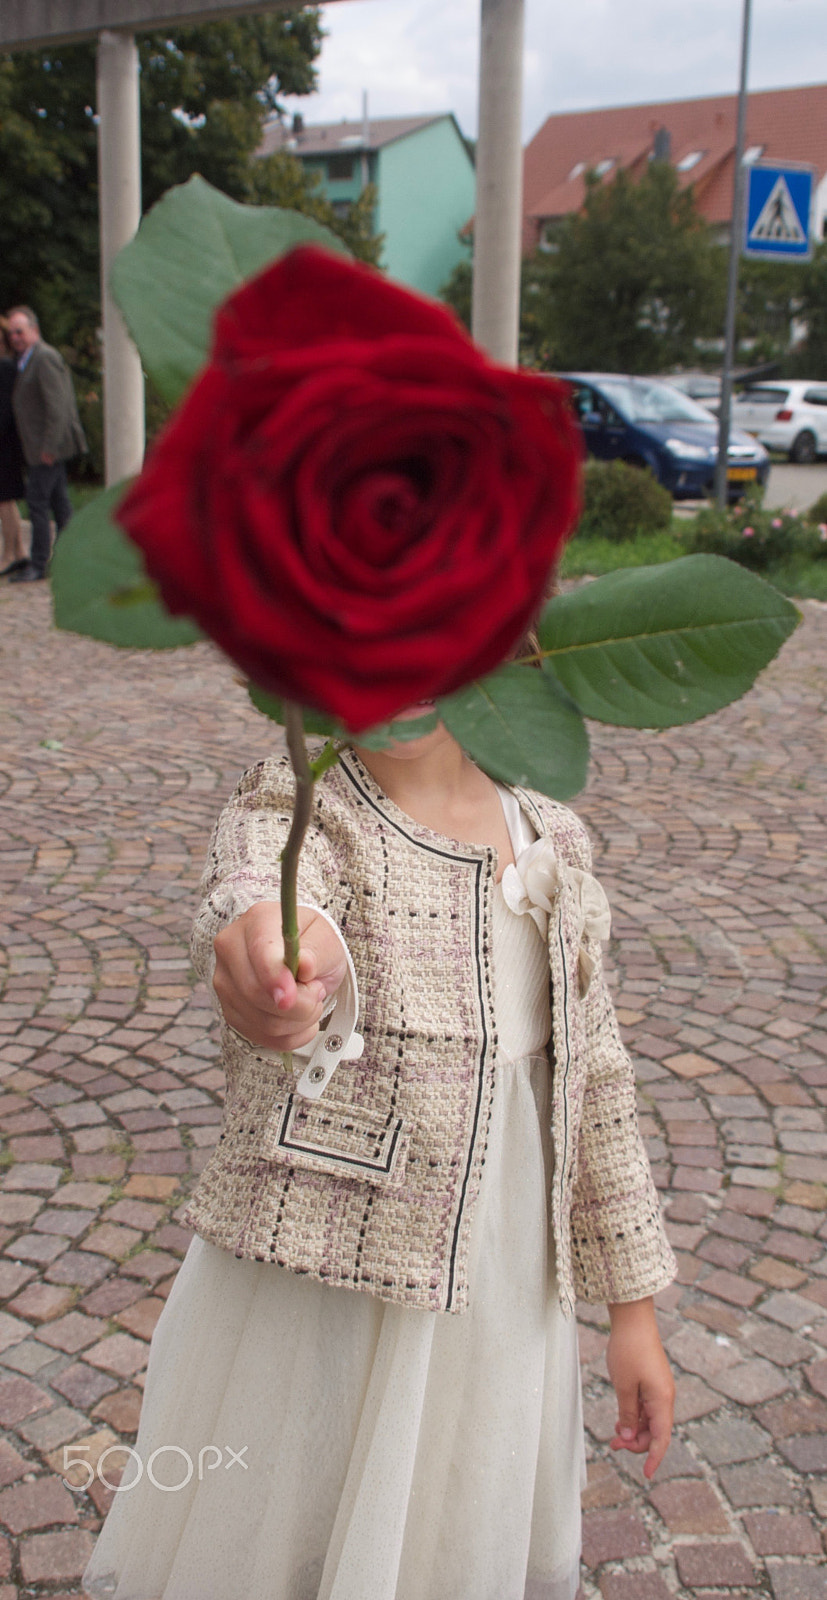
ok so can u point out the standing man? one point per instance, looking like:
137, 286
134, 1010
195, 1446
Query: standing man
50, 432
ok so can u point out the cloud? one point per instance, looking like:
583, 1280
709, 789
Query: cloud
410, 55
422, 55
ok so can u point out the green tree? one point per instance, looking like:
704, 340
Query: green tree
48, 186
809, 359
633, 279
205, 94
206, 90
281, 180
535, 340
769, 304
456, 293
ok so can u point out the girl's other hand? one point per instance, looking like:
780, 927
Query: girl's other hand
642, 1381
257, 993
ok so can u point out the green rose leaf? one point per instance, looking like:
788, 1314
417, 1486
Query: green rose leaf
100, 588
521, 727
655, 647
192, 249
386, 733
319, 722
314, 721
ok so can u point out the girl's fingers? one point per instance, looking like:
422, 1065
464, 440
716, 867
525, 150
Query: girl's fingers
258, 994
270, 1035
308, 964
263, 1013
629, 1414
264, 952
659, 1434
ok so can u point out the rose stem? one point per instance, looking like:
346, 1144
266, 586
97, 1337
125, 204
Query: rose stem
306, 772
302, 808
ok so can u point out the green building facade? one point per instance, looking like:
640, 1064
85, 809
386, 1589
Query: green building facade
424, 177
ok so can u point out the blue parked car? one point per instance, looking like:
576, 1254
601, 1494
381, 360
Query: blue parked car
650, 424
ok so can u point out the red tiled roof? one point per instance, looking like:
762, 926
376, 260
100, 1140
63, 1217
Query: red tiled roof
790, 125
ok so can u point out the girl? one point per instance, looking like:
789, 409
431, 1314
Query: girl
365, 1383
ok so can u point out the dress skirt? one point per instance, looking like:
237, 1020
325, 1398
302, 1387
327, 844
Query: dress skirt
315, 1443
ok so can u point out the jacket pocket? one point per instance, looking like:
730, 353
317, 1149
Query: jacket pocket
343, 1141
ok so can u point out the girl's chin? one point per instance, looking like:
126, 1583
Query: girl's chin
420, 710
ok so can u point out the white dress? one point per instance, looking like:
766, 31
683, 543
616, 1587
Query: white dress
353, 1449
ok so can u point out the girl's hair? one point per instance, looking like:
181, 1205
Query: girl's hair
529, 644
5, 347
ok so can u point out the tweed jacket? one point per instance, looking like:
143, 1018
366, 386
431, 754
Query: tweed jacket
373, 1185
45, 409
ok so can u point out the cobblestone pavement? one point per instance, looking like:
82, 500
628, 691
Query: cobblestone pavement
711, 844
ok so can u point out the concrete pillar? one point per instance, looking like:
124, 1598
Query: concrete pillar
119, 172
499, 212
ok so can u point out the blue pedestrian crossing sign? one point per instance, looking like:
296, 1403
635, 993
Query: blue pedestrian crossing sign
778, 212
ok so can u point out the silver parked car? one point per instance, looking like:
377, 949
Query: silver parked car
785, 415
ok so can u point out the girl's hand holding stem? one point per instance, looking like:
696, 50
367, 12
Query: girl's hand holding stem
258, 994
642, 1381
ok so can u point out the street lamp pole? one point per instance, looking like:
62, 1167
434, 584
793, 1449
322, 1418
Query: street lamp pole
735, 246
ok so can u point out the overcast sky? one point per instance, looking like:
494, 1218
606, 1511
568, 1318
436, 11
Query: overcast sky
421, 55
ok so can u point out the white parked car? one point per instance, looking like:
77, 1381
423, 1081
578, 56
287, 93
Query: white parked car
790, 416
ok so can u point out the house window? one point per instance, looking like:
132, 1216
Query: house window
579, 166
751, 155
686, 163
604, 166
339, 168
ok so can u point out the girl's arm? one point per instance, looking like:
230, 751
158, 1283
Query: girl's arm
642, 1381
258, 994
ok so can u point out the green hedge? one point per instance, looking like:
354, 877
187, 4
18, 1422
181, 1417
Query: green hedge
621, 502
753, 536
818, 511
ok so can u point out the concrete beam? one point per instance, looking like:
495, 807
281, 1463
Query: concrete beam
495, 315
37, 24
119, 167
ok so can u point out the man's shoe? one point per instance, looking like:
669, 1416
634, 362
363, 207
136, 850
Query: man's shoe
14, 566
27, 574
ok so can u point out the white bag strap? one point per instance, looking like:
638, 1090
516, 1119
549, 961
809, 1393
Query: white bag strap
338, 1040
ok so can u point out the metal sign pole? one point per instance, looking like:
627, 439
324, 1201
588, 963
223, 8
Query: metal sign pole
735, 245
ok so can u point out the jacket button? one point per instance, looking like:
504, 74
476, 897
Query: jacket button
333, 1042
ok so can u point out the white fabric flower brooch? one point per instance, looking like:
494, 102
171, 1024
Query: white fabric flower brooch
530, 888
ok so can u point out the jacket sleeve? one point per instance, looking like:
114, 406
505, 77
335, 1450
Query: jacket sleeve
244, 860
53, 380
620, 1250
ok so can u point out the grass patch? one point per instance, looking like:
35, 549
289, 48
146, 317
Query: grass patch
593, 557
801, 580
81, 493
797, 577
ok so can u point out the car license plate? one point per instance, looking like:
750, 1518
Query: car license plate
742, 474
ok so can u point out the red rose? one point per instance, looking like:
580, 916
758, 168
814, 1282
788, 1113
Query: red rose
358, 506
